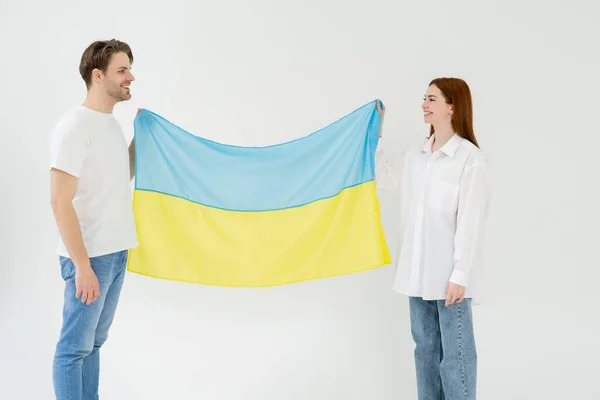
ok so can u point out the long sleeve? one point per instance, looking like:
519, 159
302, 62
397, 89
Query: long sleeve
474, 192
387, 174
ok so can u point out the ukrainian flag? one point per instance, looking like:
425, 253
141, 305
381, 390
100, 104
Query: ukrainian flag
227, 215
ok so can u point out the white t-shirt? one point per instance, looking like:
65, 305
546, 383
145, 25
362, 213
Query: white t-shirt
90, 145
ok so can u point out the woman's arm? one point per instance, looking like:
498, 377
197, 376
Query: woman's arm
473, 199
387, 165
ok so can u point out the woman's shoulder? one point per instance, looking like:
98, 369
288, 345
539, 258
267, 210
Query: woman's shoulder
475, 156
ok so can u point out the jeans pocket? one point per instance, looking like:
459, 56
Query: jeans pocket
67, 269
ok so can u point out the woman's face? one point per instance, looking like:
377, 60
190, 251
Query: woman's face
435, 108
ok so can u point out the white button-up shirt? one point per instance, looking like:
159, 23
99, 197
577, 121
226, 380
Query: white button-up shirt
444, 201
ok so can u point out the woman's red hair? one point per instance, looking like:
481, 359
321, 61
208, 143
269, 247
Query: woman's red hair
457, 92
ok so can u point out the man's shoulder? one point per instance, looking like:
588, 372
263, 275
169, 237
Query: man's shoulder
70, 122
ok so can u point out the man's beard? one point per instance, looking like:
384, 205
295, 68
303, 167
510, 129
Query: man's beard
114, 90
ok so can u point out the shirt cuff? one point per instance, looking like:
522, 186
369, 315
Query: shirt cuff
460, 278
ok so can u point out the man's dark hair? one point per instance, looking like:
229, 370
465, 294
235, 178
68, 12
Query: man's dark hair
98, 55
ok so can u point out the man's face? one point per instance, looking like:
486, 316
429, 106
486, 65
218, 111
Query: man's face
118, 77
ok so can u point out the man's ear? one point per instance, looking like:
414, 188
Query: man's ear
96, 74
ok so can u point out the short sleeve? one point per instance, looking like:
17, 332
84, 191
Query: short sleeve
68, 149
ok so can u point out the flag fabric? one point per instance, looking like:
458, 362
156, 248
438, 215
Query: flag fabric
225, 215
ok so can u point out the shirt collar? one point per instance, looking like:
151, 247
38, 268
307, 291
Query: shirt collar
449, 148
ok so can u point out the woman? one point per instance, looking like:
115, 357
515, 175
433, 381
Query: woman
444, 187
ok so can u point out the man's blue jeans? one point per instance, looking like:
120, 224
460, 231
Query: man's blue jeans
445, 354
76, 366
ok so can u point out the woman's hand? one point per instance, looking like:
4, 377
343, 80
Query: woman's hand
381, 111
454, 294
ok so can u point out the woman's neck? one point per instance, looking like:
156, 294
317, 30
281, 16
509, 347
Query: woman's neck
441, 136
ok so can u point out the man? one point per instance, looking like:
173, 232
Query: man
90, 176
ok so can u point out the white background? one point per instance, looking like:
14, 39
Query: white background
260, 72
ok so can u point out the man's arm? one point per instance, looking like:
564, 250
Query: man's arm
131, 159
132, 154
62, 191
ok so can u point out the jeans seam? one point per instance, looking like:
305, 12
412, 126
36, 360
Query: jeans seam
69, 384
74, 347
119, 271
120, 265
436, 311
112, 264
460, 350
83, 379
124, 262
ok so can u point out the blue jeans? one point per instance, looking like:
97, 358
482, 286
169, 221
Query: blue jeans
445, 354
76, 366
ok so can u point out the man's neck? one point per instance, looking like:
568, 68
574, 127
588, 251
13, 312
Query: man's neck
99, 102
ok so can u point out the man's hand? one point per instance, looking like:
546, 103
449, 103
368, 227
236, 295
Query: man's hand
381, 111
132, 154
454, 294
86, 284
